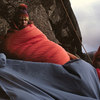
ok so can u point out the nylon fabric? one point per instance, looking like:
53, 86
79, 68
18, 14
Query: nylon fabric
25, 80
30, 44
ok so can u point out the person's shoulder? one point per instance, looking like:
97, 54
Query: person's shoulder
10, 30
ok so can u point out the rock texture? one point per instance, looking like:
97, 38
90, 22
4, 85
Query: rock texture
55, 18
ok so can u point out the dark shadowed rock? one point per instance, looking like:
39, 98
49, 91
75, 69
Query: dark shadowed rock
89, 56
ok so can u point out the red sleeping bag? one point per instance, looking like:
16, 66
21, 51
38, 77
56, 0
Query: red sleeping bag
31, 44
98, 72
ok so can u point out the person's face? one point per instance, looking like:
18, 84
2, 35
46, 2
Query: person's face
23, 22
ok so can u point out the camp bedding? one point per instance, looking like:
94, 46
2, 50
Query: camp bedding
31, 44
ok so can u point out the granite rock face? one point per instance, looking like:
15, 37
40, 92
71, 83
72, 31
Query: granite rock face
55, 18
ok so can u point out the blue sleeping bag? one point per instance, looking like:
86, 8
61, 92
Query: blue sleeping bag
25, 80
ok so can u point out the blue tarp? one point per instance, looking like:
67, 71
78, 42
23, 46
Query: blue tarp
24, 80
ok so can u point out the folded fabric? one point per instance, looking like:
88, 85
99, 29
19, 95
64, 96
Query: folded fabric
31, 44
26, 80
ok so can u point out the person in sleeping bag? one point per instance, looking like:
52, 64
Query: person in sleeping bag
25, 41
96, 61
